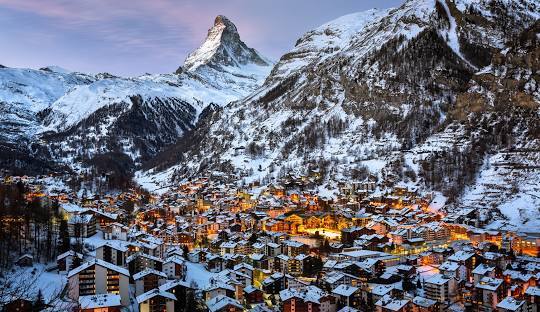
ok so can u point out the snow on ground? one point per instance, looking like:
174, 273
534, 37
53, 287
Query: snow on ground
510, 183
196, 272
36, 278
437, 203
155, 182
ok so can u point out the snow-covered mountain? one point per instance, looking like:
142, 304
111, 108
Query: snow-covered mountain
72, 117
406, 95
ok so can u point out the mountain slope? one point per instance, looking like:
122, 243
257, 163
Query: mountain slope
72, 117
380, 91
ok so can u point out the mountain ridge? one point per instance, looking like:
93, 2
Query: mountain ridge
71, 117
382, 102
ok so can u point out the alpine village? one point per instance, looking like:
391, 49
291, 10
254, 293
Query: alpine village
389, 162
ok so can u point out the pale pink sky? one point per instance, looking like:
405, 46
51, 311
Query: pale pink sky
131, 37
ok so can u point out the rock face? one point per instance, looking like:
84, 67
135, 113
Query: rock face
71, 118
401, 94
223, 48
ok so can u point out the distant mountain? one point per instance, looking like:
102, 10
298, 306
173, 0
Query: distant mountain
71, 117
404, 95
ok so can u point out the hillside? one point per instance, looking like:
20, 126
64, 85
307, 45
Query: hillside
401, 95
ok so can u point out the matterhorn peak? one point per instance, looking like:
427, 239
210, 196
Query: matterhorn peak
223, 48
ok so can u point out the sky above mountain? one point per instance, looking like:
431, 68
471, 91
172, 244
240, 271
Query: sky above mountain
131, 37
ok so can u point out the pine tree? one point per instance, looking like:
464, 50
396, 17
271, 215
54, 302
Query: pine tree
39, 304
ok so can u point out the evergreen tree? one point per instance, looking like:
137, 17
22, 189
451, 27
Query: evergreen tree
39, 304
64, 237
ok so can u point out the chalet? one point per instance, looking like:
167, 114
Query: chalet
103, 218
421, 304
25, 260
390, 304
223, 304
19, 305
215, 263
275, 283
116, 231
147, 280
140, 261
174, 267
253, 295
511, 304
483, 270
469, 259
310, 298
112, 252
532, 297
294, 248
273, 249
83, 225
258, 261
180, 289
333, 279
219, 289
441, 289
347, 296
68, 260
489, 292
156, 300
349, 235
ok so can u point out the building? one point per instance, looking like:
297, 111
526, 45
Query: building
98, 277
68, 260
489, 292
223, 304
112, 252
309, 299
156, 300
441, 289
147, 280
511, 304
82, 225
347, 296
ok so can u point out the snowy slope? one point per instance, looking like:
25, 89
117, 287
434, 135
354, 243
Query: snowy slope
69, 115
378, 90
25, 92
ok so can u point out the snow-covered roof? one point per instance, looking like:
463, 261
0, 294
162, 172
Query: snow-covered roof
437, 279
99, 301
482, 269
488, 283
391, 304
116, 244
309, 293
423, 302
449, 266
461, 256
102, 263
76, 219
68, 253
174, 283
148, 271
381, 290
533, 291
219, 302
345, 290
153, 293
511, 304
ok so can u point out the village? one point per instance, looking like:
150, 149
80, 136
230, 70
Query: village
208, 245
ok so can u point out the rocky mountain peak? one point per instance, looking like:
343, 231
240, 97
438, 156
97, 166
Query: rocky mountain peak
223, 48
